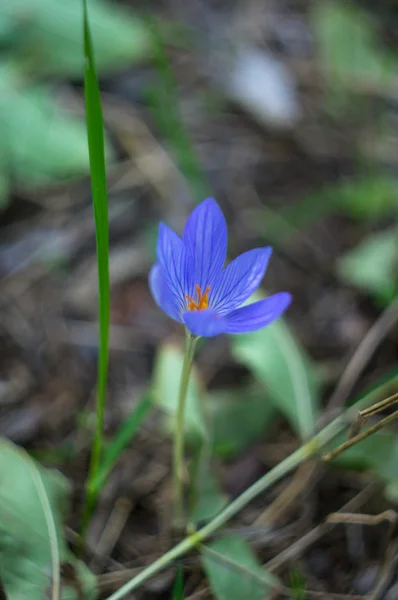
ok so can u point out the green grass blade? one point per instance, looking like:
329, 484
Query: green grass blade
122, 439
178, 587
95, 134
163, 99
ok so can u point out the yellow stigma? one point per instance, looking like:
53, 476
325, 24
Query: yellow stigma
200, 301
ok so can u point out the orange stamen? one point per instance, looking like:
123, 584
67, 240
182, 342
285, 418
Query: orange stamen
200, 301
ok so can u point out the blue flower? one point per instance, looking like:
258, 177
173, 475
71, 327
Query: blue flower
190, 284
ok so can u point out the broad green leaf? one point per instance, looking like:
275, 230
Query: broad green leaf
4, 189
349, 47
238, 417
276, 360
33, 502
207, 497
234, 571
165, 388
49, 38
7, 28
372, 265
39, 141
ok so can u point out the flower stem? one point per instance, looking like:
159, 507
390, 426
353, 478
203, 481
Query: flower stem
178, 447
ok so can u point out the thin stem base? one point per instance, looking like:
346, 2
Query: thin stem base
178, 446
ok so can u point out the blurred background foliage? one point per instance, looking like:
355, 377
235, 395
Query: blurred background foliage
287, 113
41, 44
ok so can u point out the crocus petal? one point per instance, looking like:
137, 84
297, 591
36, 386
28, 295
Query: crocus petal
257, 315
176, 264
162, 295
240, 279
205, 237
204, 323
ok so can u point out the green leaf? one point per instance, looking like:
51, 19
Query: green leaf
372, 265
238, 417
276, 360
165, 388
210, 500
127, 432
33, 502
7, 28
234, 571
207, 498
50, 40
4, 189
349, 47
39, 141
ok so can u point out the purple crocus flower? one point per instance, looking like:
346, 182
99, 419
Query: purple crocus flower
190, 284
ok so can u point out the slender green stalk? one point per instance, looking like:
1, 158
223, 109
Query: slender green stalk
178, 446
306, 451
163, 100
127, 431
178, 588
95, 134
